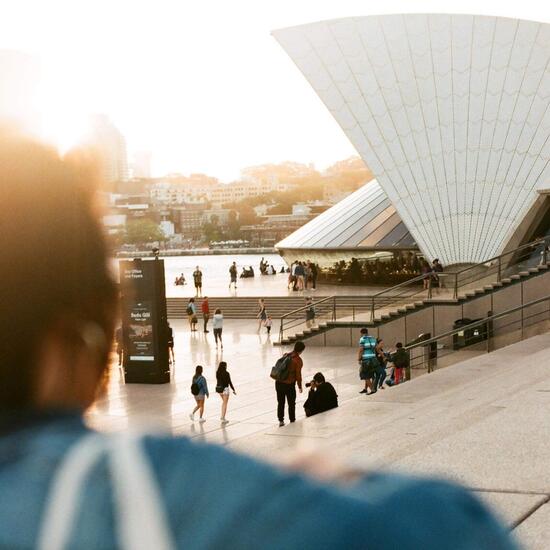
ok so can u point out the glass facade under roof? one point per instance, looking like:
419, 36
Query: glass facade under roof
364, 221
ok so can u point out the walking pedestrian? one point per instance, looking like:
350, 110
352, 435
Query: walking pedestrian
217, 324
170, 336
367, 360
192, 314
268, 324
223, 383
300, 275
262, 313
197, 279
233, 276
199, 386
286, 388
310, 313
205, 308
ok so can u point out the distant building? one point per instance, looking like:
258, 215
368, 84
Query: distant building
110, 146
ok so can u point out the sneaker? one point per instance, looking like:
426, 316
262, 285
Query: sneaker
372, 392
192, 417
281, 424
364, 391
201, 420
224, 421
206, 331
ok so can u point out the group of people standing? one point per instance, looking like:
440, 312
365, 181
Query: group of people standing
375, 363
199, 389
303, 275
217, 319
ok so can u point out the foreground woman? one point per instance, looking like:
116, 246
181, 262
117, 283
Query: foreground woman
65, 486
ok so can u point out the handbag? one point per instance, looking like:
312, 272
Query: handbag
194, 319
219, 389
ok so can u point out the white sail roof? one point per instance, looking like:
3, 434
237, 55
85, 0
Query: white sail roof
364, 219
450, 112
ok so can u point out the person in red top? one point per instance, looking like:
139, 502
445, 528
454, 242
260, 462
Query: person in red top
286, 389
205, 308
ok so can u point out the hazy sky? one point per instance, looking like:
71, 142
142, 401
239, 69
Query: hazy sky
202, 85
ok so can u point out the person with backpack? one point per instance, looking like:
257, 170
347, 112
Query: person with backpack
217, 324
223, 383
367, 361
199, 389
288, 373
192, 314
401, 363
380, 373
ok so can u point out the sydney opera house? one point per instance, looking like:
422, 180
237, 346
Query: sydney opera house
452, 115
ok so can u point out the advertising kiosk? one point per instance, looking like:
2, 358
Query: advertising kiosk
144, 321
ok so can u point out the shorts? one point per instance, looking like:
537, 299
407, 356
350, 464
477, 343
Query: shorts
225, 391
234, 279
368, 368
198, 285
199, 397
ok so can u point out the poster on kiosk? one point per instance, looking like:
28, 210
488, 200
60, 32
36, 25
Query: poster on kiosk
144, 321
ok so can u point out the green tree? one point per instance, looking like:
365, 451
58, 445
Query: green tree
142, 230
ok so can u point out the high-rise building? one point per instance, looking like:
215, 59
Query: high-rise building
110, 146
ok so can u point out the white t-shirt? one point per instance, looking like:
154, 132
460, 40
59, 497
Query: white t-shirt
217, 320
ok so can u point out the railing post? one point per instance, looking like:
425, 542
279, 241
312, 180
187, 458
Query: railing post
499, 273
281, 331
372, 309
334, 309
353, 312
455, 295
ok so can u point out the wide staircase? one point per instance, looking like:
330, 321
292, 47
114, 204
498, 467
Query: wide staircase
482, 422
456, 288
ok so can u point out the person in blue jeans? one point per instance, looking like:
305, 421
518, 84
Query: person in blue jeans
65, 486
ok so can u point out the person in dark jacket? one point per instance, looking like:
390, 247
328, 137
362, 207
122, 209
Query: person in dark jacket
322, 396
223, 383
401, 363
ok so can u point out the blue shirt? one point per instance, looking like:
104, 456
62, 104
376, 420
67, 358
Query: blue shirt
368, 343
203, 386
217, 499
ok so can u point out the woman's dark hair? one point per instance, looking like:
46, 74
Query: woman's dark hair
55, 274
218, 310
222, 367
198, 372
191, 299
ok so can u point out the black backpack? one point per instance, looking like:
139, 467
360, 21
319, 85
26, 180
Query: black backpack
280, 371
195, 388
189, 310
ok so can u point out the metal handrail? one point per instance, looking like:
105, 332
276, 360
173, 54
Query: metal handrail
479, 322
374, 298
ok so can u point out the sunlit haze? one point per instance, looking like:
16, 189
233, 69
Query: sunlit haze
201, 85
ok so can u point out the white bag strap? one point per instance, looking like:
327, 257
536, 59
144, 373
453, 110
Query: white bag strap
139, 516
62, 500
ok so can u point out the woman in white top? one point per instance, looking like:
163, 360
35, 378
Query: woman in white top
217, 324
